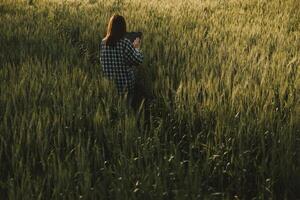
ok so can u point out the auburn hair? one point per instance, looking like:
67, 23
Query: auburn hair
116, 30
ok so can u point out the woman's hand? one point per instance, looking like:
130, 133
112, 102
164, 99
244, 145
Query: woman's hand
137, 43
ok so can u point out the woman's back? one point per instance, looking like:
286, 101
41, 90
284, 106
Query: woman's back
117, 62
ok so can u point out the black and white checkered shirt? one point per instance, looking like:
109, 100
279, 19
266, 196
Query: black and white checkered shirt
118, 62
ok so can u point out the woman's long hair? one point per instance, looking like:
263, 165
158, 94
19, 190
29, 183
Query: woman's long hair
116, 30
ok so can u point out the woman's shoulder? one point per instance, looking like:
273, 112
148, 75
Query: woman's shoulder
125, 40
126, 43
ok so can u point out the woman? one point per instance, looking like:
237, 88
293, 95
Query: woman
118, 56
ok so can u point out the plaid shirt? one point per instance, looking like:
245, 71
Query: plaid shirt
117, 63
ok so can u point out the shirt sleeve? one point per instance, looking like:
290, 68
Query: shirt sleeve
132, 55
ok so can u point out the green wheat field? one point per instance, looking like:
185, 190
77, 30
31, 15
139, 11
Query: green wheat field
222, 122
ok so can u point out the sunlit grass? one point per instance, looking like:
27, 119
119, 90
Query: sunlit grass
224, 120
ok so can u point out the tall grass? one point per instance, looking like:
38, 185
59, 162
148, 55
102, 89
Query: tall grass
224, 121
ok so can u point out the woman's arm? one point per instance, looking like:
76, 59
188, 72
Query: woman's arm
132, 56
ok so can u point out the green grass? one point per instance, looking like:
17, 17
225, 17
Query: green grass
224, 122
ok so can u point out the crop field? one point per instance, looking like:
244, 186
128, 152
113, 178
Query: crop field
221, 120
